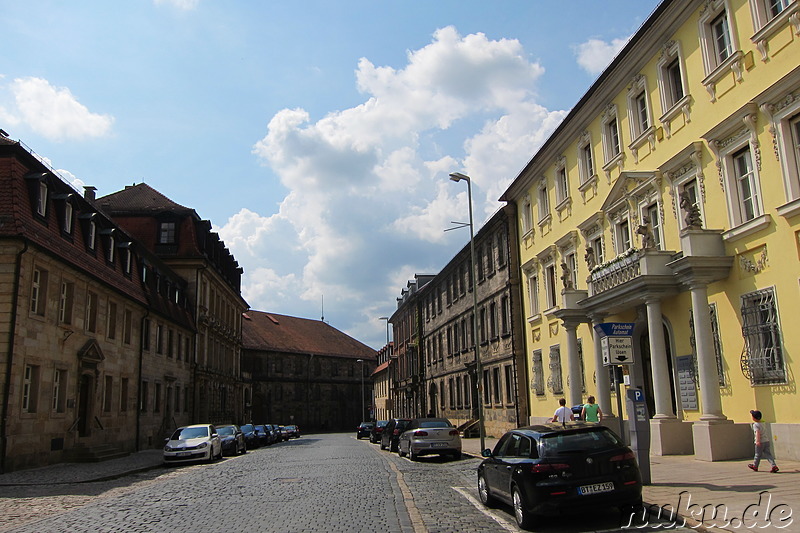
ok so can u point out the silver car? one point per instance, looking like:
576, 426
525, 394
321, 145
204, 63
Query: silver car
430, 436
199, 442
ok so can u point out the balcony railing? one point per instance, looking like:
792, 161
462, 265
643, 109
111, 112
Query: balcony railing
619, 270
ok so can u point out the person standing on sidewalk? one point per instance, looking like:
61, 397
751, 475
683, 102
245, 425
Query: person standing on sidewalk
591, 411
762, 444
563, 414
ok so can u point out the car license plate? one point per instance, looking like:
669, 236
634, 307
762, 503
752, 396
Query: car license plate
597, 488
439, 445
184, 454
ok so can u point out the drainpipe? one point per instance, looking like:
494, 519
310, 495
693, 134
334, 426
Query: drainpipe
139, 381
11, 333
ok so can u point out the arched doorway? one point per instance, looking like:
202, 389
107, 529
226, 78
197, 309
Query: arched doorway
85, 405
645, 380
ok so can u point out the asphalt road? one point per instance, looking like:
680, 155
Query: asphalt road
318, 483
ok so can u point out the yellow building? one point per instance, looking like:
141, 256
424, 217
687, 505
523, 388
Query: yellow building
669, 198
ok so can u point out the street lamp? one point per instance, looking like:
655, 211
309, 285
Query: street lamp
457, 176
386, 318
362, 387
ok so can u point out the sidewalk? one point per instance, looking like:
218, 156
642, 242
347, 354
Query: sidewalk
744, 500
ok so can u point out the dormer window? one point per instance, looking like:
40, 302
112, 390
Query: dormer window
91, 239
69, 213
112, 244
41, 200
166, 233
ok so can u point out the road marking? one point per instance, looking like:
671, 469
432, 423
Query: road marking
505, 524
408, 500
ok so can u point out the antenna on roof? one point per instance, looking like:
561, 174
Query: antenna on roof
323, 309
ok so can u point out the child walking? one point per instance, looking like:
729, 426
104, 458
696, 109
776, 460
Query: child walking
762, 444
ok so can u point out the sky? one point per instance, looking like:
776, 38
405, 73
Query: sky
316, 136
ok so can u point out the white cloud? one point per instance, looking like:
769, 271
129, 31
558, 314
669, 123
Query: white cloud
186, 5
365, 193
595, 55
53, 112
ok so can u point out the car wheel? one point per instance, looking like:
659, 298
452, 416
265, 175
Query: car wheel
524, 518
210, 456
400, 451
483, 492
456, 456
383, 447
358, 437
412, 455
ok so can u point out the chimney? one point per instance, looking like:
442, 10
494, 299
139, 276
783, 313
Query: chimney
88, 192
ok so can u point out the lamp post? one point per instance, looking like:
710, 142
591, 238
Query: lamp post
457, 176
386, 318
362, 388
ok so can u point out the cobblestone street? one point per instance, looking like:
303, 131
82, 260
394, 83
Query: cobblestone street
316, 483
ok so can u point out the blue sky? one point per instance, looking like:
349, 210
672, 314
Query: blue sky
317, 136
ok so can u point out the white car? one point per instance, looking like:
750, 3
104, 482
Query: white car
430, 436
199, 442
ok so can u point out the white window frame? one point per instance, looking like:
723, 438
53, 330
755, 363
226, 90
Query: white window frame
612, 148
672, 104
69, 213
533, 294
550, 273
41, 200
715, 67
623, 238
92, 237
783, 112
766, 24
640, 121
587, 165
30, 388
527, 215
561, 179
654, 212
66, 302
543, 201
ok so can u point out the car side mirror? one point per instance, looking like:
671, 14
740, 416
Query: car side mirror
486, 453
214, 435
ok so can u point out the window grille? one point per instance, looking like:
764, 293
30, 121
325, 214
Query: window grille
555, 382
762, 357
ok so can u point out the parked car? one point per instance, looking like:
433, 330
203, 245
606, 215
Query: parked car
377, 431
232, 440
282, 434
391, 433
430, 436
250, 437
292, 431
274, 434
199, 442
262, 435
363, 429
549, 468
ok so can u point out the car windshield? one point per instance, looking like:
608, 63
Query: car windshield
247, 428
190, 433
290, 427
578, 442
226, 430
382, 423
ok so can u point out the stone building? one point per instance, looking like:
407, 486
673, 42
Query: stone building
306, 372
382, 379
448, 333
94, 349
185, 242
668, 198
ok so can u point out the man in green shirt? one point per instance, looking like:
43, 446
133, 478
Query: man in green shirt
591, 411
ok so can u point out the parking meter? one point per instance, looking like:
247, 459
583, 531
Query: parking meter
639, 428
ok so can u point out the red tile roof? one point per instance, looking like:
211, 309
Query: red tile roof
139, 198
280, 333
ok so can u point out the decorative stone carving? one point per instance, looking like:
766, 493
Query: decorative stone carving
644, 229
591, 260
692, 219
566, 276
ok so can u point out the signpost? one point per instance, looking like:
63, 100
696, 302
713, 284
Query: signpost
617, 348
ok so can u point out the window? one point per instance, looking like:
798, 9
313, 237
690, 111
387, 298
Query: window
479, 258
482, 325
91, 312
596, 244
550, 285
555, 383
108, 393
784, 113
493, 320
719, 46
39, 291
775, 7
639, 118
127, 325
655, 224
467, 392
762, 360
612, 142
721, 34
692, 191
527, 215
537, 381
487, 398
544, 201
673, 81
586, 162
30, 388
623, 234
490, 257
123, 395
146, 334
509, 371
170, 333
502, 250
91, 238
111, 319
562, 181
451, 392
65, 302
112, 245
505, 315
456, 338
41, 200
746, 189
496, 390
157, 399
572, 268
59, 390
159, 339
166, 233
533, 294
69, 213
672, 86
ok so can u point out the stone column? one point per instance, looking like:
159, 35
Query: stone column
573, 364
658, 360
603, 393
706, 358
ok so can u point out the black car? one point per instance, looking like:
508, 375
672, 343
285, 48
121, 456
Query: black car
391, 433
232, 439
364, 429
274, 434
377, 431
552, 469
263, 435
293, 431
250, 437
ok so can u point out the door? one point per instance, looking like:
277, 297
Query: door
84, 405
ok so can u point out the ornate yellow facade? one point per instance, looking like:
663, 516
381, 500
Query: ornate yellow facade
669, 197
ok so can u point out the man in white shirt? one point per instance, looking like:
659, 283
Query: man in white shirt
563, 414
